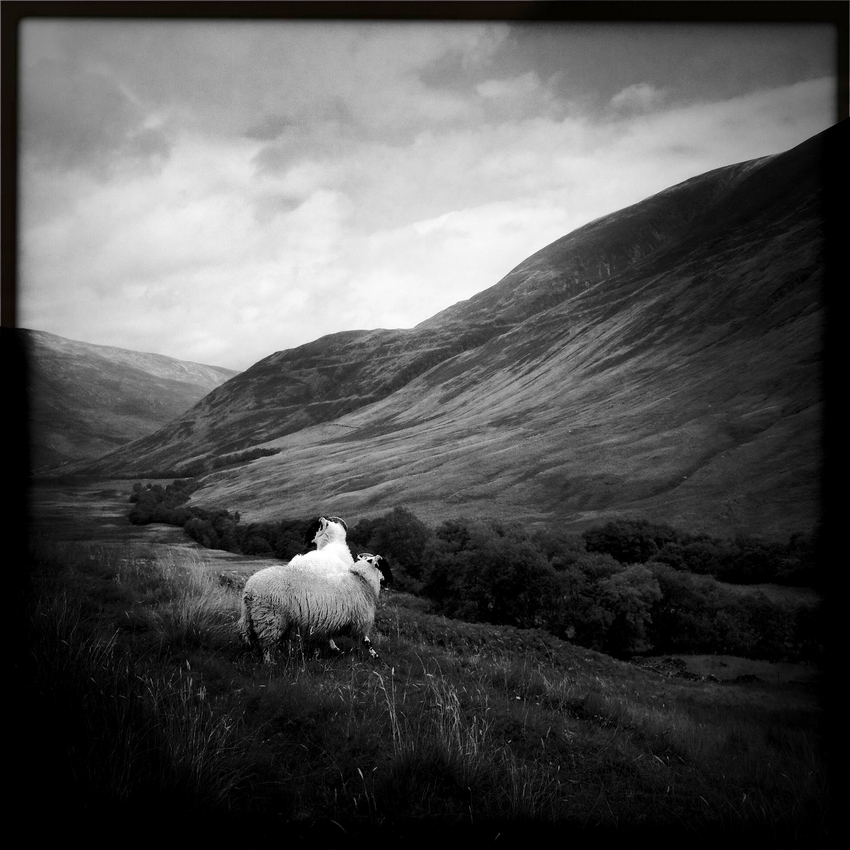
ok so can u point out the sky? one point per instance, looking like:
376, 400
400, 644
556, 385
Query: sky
217, 191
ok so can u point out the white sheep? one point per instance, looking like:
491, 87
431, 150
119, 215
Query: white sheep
331, 552
283, 600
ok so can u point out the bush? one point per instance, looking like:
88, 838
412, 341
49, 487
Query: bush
750, 561
202, 532
589, 588
214, 528
684, 618
490, 573
628, 597
156, 503
399, 536
630, 541
744, 560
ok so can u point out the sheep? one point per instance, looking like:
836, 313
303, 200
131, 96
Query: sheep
383, 566
380, 562
331, 552
311, 603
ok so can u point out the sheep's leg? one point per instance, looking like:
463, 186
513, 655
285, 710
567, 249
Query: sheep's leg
333, 646
368, 644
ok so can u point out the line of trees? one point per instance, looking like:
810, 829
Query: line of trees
625, 587
495, 573
214, 528
744, 560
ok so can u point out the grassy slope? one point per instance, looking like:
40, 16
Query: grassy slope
147, 703
85, 399
663, 361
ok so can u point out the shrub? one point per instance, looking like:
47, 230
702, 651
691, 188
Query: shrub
491, 573
402, 538
628, 597
687, 616
202, 531
630, 541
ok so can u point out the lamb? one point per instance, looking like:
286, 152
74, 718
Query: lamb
283, 600
331, 552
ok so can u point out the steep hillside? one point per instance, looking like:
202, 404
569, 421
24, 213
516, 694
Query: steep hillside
664, 360
339, 373
87, 399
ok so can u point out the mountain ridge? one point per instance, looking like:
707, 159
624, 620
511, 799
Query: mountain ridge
678, 333
86, 399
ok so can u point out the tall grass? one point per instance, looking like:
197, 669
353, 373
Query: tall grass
186, 605
437, 752
145, 698
112, 728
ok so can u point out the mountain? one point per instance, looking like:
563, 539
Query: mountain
662, 361
86, 400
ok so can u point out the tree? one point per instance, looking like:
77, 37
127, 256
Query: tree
561, 548
628, 596
491, 573
202, 531
401, 537
630, 541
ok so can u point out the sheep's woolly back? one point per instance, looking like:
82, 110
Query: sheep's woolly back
283, 599
334, 556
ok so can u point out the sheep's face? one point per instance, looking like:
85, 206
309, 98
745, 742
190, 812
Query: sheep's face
381, 564
326, 529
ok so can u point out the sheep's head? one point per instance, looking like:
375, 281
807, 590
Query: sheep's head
381, 564
326, 529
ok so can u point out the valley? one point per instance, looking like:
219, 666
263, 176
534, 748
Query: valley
664, 361
460, 727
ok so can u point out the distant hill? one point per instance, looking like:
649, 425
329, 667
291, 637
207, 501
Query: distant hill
86, 400
662, 361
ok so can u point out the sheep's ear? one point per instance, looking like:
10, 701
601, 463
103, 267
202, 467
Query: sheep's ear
383, 566
311, 532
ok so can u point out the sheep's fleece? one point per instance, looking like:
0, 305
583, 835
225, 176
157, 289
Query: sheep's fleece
289, 599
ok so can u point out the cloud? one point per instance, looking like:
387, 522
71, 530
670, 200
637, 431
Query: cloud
745, 127
270, 128
77, 118
236, 197
521, 86
640, 97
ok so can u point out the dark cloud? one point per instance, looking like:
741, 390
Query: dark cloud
269, 129
147, 145
697, 61
76, 118
266, 207
355, 161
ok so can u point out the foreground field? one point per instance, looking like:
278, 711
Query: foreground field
146, 703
